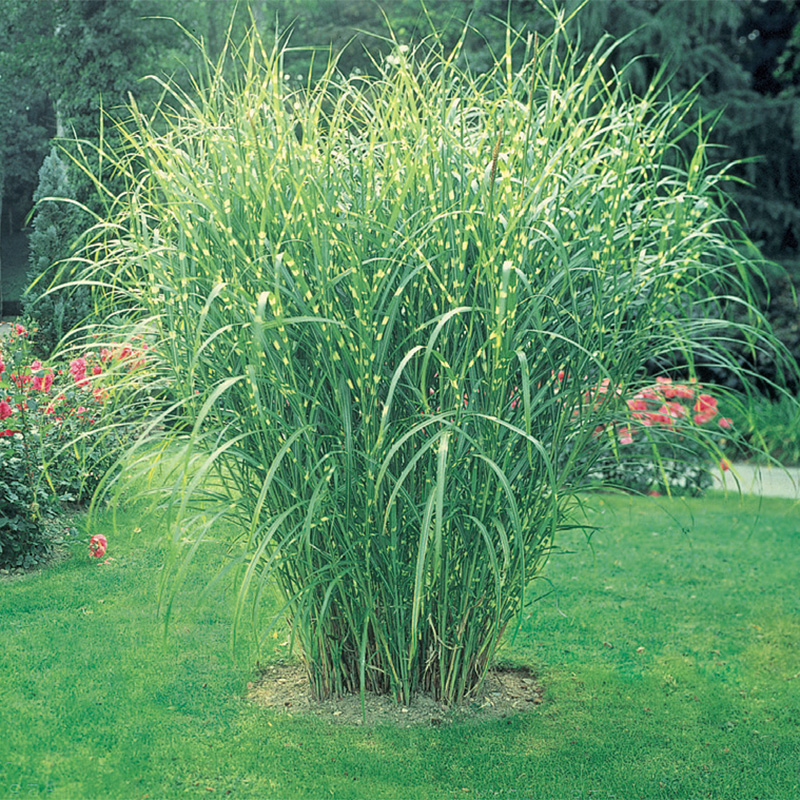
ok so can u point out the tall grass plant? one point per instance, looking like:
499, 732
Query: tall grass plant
386, 307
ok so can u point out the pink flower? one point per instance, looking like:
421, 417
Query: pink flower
20, 330
660, 417
673, 409
625, 435
678, 390
706, 405
726, 423
5, 410
77, 369
98, 545
42, 383
683, 391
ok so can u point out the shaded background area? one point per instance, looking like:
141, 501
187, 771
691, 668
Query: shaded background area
62, 60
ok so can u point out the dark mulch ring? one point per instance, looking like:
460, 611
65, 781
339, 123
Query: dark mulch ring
284, 688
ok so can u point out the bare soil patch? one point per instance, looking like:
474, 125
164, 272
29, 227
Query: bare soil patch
284, 688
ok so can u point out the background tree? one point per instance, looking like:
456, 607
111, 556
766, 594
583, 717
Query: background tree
27, 124
56, 225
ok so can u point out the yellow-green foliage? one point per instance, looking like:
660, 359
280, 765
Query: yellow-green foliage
363, 292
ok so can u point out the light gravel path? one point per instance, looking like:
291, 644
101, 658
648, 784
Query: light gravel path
767, 481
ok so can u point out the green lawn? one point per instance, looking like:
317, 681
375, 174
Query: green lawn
96, 704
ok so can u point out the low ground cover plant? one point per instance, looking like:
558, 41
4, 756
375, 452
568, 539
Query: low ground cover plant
363, 294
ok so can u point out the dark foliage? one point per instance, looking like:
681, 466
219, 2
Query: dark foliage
56, 225
23, 543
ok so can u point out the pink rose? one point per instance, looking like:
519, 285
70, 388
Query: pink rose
98, 545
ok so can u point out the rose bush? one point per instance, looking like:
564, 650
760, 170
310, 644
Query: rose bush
61, 426
668, 440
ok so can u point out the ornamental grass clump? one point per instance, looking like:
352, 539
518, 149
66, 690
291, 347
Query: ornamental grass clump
378, 301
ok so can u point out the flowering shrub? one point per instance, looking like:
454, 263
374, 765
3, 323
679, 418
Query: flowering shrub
22, 541
666, 440
59, 432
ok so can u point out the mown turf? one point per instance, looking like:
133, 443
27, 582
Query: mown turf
668, 652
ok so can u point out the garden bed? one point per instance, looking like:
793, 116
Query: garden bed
284, 688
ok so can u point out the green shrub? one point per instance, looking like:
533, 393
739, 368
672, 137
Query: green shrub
56, 225
23, 543
771, 429
62, 426
362, 294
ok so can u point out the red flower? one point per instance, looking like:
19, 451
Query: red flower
706, 408
675, 410
678, 390
98, 545
706, 404
77, 369
726, 423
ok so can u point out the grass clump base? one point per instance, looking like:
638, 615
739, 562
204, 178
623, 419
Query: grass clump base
285, 688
